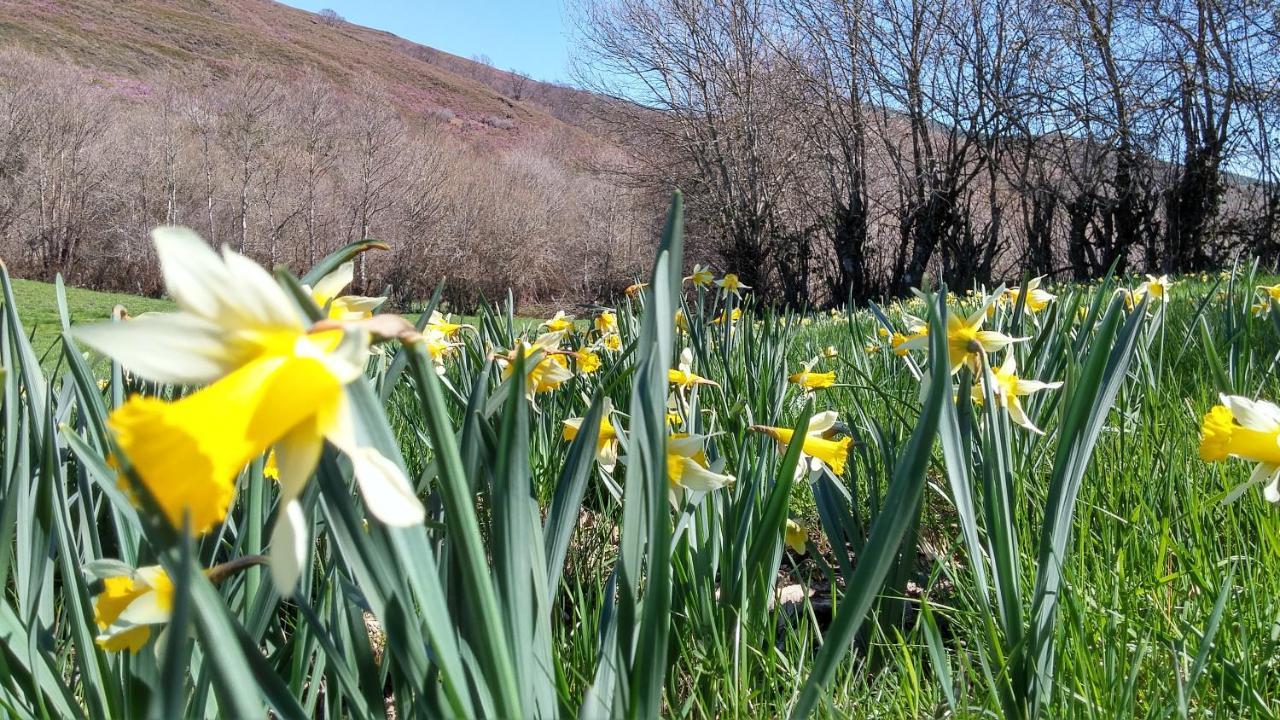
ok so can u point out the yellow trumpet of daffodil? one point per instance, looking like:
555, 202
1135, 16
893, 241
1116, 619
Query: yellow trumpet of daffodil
688, 472
967, 342
820, 446
1156, 287
1036, 298
559, 322
606, 438
1248, 430
730, 284
586, 360
343, 307
129, 605
683, 377
702, 276
1009, 388
444, 325
810, 381
269, 384
796, 537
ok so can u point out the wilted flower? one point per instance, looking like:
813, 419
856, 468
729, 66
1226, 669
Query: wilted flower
1249, 430
634, 289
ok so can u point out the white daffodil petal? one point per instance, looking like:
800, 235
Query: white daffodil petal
1270, 474
1253, 414
188, 265
176, 348
328, 287
822, 422
256, 295
147, 609
297, 454
386, 492
696, 477
289, 544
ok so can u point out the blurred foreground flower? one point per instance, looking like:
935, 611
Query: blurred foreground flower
273, 385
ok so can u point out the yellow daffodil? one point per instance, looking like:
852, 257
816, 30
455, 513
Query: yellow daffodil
872, 348
634, 290
344, 307
1009, 388
883, 332
796, 537
270, 383
682, 376
1157, 287
811, 381
967, 342
688, 472
730, 284
548, 373
820, 446
1036, 299
438, 347
607, 323
702, 276
612, 342
606, 438
129, 605
444, 325
682, 322
1270, 292
1249, 430
735, 316
586, 360
559, 322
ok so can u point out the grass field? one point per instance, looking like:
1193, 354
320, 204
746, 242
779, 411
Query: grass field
924, 554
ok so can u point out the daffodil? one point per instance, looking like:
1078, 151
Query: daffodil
682, 376
731, 285
343, 307
444, 325
736, 315
128, 606
967, 342
1157, 287
820, 446
545, 375
796, 537
438, 347
811, 381
635, 289
270, 384
1009, 388
1270, 292
606, 438
682, 322
1249, 430
830, 351
612, 342
607, 323
688, 470
559, 322
586, 360
702, 276
1036, 298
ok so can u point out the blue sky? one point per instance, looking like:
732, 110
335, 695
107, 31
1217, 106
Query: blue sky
526, 35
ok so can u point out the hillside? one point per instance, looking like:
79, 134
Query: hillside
128, 42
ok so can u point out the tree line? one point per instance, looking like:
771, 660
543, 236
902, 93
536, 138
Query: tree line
836, 148
287, 168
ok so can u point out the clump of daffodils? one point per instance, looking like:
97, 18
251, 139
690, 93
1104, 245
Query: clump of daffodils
271, 382
1249, 430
